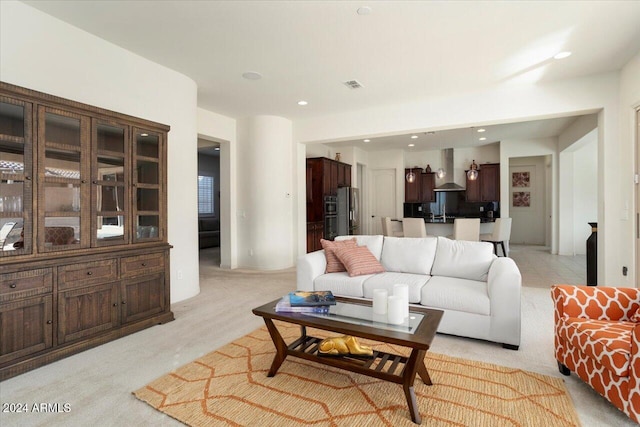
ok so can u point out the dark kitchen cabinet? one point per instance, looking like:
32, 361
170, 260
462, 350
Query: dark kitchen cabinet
421, 189
412, 189
427, 184
486, 187
324, 177
315, 232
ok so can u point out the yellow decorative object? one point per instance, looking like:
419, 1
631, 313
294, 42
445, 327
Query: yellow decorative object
340, 346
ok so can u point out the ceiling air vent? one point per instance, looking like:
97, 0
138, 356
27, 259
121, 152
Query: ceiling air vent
353, 84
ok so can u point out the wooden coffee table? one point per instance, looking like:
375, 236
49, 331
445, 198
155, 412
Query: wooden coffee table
355, 317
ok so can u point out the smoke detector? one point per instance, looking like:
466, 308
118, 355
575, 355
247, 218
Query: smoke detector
353, 84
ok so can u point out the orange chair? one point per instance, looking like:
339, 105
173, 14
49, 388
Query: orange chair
597, 336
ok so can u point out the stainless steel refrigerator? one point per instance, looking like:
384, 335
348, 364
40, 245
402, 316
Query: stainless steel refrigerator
348, 211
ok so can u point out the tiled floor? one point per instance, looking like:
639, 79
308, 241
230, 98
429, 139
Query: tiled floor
541, 269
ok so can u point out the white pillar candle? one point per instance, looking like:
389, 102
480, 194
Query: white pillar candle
380, 301
395, 311
402, 291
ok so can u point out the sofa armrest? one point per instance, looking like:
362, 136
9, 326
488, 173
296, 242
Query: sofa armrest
590, 302
634, 374
504, 284
309, 267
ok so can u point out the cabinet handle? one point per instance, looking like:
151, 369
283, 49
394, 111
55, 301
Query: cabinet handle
89, 273
49, 322
28, 178
123, 302
144, 264
115, 304
83, 181
13, 286
95, 182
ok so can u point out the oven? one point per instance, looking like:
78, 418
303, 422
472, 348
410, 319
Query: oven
330, 205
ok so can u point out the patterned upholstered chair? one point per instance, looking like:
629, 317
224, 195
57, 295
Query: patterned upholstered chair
597, 336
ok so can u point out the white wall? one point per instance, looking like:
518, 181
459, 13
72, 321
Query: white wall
265, 193
585, 192
629, 100
42, 53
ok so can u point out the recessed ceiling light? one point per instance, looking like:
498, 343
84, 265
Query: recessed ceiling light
562, 55
414, 136
364, 10
412, 145
217, 148
367, 140
481, 130
144, 134
482, 139
252, 75
302, 102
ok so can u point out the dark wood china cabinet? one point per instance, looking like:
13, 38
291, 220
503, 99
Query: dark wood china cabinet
84, 257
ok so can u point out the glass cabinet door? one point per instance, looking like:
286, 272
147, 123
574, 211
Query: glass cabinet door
16, 145
147, 188
63, 183
110, 184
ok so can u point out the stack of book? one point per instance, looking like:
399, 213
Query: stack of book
306, 302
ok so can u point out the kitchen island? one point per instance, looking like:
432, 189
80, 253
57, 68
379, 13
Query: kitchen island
441, 227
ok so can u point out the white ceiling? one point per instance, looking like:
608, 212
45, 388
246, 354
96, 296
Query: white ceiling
401, 52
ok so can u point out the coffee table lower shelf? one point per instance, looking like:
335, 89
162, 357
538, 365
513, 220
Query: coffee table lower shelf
385, 366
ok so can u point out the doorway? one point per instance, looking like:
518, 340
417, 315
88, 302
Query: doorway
383, 198
209, 206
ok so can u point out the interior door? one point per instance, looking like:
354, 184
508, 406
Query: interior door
383, 197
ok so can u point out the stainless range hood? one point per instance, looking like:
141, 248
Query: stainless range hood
447, 156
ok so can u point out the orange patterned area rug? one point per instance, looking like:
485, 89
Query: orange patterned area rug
230, 387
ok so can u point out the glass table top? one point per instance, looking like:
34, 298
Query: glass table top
358, 314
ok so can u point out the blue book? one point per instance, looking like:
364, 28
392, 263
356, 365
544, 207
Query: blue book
311, 298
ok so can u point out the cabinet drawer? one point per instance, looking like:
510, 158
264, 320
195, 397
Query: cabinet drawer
142, 264
87, 273
25, 284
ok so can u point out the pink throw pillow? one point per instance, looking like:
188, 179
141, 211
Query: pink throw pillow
333, 263
359, 261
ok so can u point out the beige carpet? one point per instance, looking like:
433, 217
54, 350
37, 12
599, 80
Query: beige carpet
229, 387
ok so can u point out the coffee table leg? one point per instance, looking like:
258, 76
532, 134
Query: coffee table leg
281, 347
408, 377
422, 371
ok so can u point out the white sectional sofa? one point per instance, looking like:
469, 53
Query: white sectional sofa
478, 292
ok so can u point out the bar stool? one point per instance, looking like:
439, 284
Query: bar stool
386, 228
466, 229
501, 233
414, 227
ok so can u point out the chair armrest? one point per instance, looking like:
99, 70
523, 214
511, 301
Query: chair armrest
309, 267
504, 283
591, 302
634, 373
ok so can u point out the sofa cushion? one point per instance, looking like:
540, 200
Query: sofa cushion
388, 279
463, 259
451, 293
607, 342
359, 260
409, 255
341, 284
334, 265
374, 243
